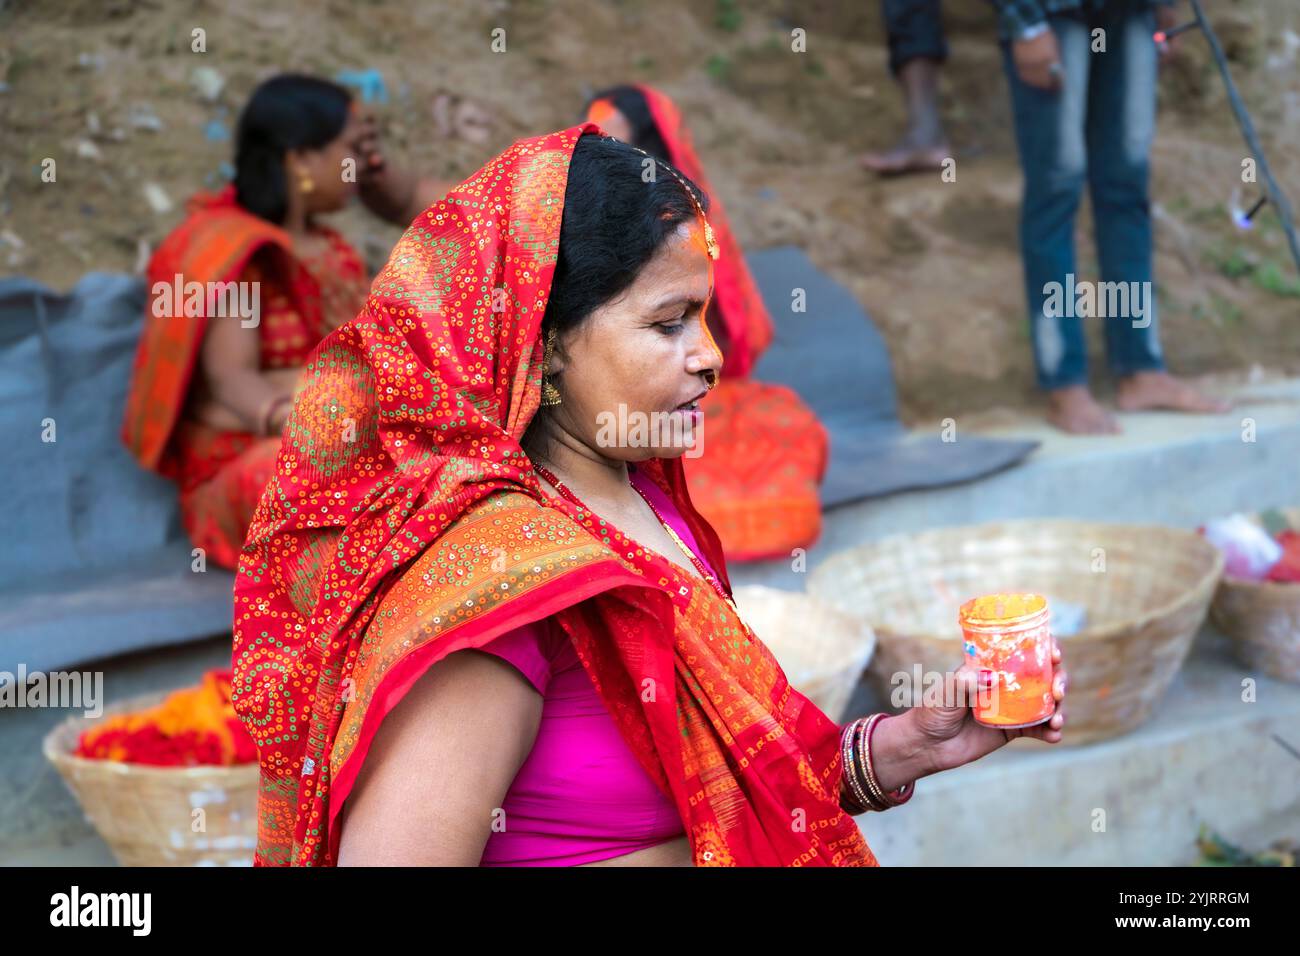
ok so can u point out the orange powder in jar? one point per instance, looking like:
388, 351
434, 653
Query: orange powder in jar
1009, 635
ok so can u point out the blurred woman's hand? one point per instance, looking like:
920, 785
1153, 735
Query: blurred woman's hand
391, 192
387, 191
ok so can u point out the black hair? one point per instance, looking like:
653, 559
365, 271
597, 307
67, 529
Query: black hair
615, 219
631, 102
289, 111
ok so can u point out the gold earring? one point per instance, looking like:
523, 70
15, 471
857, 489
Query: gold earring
305, 183
550, 395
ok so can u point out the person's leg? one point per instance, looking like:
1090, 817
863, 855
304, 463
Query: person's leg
917, 49
914, 28
1121, 128
1049, 128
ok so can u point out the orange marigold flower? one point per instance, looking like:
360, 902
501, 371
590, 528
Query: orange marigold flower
192, 726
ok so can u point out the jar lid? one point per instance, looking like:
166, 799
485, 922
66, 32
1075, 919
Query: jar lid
1002, 610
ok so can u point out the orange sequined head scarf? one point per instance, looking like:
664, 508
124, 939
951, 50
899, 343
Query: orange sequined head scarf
737, 299
405, 522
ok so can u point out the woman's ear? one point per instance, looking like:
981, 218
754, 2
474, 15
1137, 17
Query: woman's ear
557, 362
297, 171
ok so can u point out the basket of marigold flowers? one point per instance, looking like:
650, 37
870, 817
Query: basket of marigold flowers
168, 779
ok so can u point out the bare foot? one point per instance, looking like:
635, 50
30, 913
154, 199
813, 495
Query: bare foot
924, 146
1073, 409
1146, 390
907, 158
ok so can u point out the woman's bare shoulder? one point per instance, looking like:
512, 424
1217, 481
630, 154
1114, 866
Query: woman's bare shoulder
440, 765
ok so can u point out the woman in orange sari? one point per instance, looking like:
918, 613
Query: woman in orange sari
449, 483
242, 291
756, 477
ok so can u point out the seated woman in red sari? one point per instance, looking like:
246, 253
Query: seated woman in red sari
765, 451
244, 289
449, 483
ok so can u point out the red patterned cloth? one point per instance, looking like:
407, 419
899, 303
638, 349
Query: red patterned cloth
405, 522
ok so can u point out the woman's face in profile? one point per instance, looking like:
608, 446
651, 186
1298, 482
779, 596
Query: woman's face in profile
334, 180
628, 371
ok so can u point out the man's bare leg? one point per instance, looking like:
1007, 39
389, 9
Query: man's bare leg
1073, 409
923, 146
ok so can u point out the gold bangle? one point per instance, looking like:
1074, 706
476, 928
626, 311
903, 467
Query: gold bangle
848, 741
864, 761
893, 798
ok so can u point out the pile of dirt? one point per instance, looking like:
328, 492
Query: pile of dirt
136, 120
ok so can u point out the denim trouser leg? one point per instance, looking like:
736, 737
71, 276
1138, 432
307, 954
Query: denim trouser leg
1050, 138
1121, 126
914, 29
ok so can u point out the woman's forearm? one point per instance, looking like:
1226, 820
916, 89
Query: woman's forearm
239, 398
899, 753
398, 194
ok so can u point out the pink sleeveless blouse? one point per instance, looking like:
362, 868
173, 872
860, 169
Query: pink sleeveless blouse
581, 795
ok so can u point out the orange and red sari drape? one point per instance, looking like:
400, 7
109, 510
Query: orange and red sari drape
221, 473
765, 451
405, 522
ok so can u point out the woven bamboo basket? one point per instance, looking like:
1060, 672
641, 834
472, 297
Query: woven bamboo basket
1262, 618
146, 814
823, 651
1146, 590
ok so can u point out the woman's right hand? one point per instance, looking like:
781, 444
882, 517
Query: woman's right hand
1038, 61
386, 190
393, 193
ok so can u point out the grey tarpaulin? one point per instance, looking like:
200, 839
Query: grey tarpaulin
835, 359
95, 561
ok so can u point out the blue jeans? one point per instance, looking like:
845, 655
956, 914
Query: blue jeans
1097, 128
